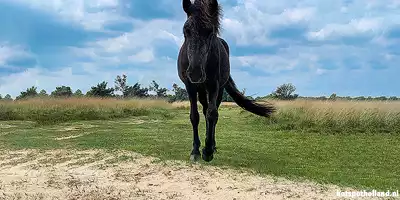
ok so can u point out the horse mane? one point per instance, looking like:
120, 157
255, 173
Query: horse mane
209, 13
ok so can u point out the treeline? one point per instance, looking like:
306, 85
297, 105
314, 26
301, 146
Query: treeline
154, 90
286, 92
103, 90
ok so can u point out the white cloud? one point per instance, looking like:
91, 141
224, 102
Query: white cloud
136, 46
90, 14
320, 71
297, 14
352, 28
315, 59
145, 34
267, 63
143, 56
9, 52
251, 21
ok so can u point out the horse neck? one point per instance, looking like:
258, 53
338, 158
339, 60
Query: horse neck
214, 51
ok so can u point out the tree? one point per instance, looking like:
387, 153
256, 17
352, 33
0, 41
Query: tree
285, 92
160, 92
180, 94
393, 98
381, 98
333, 97
226, 97
243, 91
135, 91
29, 93
43, 93
247, 96
101, 90
360, 98
269, 96
120, 83
1, 97
7, 98
62, 91
250, 97
323, 98
78, 93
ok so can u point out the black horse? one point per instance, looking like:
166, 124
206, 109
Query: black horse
204, 68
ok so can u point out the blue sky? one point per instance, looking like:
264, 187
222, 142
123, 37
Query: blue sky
348, 47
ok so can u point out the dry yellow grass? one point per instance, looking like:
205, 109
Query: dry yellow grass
89, 102
339, 105
337, 116
330, 116
186, 104
314, 115
51, 110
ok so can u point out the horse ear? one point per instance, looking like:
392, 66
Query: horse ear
186, 4
213, 7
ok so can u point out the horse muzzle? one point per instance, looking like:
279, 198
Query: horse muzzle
196, 76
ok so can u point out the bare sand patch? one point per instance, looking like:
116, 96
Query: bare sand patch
139, 121
69, 137
6, 126
136, 121
77, 127
127, 175
5, 133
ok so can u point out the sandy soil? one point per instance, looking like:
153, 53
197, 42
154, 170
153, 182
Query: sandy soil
99, 175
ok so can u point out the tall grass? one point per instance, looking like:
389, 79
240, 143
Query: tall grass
299, 115
53, 110
332, 117
336, 116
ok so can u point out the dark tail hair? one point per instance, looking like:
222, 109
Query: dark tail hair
247, 104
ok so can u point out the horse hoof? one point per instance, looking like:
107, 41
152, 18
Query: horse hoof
206, 156
215, 149
194, 157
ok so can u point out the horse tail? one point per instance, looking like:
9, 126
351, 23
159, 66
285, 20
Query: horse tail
264, 110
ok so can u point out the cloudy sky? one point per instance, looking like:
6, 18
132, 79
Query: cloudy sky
350, 47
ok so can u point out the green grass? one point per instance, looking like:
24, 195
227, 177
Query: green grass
364, 161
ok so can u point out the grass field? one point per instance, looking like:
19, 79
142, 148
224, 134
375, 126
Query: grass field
344, 143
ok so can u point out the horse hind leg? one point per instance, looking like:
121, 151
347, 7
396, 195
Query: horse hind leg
219, 100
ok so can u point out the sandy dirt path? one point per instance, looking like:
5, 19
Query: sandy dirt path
99, 175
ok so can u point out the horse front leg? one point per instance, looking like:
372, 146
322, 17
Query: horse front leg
194, 119
212, 119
